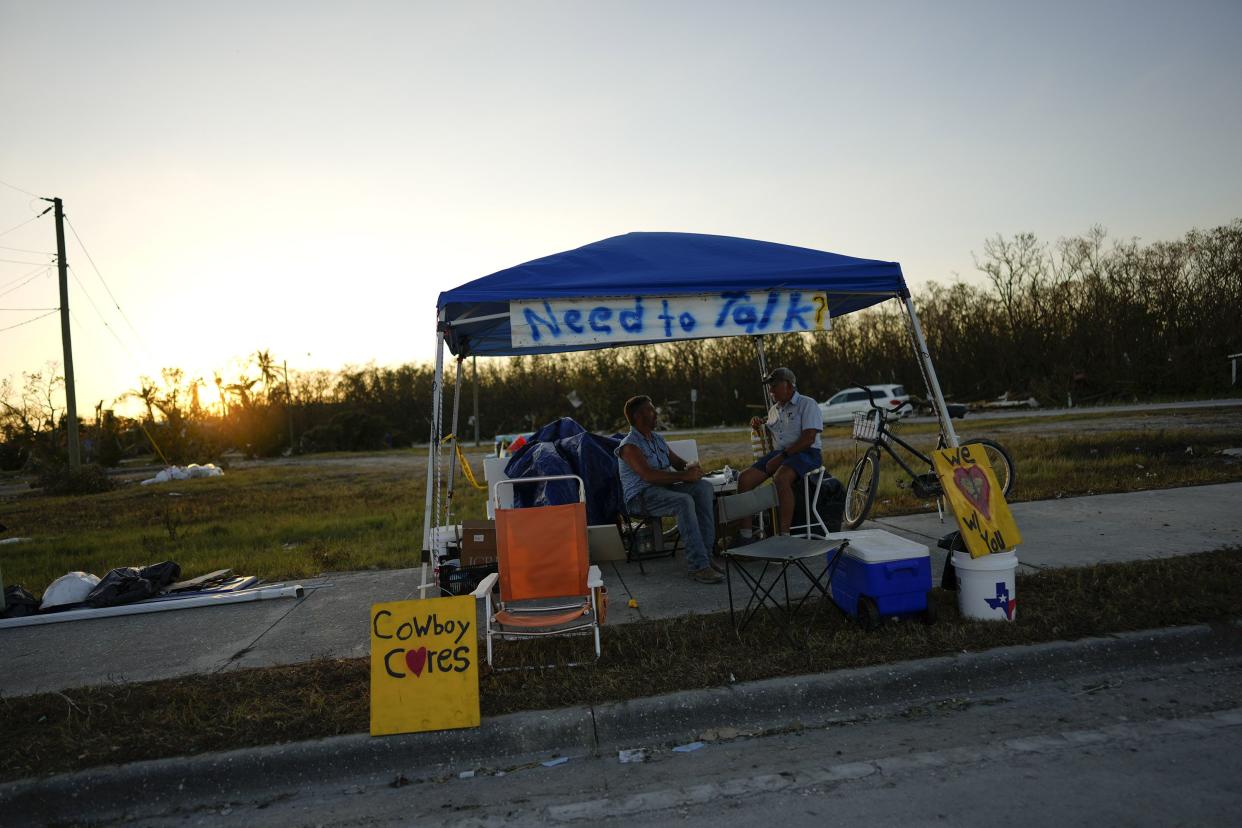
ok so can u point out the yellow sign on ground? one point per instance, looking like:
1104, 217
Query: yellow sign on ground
424, 665
977, 500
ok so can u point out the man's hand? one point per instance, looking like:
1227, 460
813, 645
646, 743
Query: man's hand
757, 422
693, 473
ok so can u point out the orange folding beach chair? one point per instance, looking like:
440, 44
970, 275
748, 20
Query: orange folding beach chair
546, 584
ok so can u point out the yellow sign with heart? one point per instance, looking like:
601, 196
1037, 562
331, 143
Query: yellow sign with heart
424, 665
976, 499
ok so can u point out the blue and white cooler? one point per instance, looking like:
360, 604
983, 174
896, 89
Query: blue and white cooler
881, 575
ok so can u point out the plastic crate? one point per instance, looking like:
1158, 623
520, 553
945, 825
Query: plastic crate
462, 580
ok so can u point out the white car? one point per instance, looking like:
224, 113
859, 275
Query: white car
843, 405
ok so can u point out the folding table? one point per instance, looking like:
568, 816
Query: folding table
778, 554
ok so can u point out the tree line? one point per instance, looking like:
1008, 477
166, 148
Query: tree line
1084, 319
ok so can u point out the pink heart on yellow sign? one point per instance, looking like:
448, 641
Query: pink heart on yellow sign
973, 484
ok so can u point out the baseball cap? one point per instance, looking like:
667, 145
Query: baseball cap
780, 375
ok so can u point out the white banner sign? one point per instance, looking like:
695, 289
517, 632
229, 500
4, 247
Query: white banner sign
543, 322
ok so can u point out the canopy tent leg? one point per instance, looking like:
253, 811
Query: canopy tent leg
432, 449
763, 372
929, 375
452, 471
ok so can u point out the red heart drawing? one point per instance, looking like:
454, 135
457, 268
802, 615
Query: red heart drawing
973, 483
416, 660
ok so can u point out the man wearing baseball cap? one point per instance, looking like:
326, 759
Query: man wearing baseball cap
795, 422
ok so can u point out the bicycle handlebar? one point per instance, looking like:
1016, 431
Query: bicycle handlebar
870, 395
880, 408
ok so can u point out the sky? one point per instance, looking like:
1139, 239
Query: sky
306, 177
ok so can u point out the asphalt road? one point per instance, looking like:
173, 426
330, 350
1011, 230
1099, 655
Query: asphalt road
1146, 745
1010, 413
1135, 729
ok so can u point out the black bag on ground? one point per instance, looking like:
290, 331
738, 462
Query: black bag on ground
18, 603
127, 584
951, 542
830, 504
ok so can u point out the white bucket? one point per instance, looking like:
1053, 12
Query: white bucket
986, 588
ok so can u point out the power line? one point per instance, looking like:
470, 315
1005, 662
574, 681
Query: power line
24, 223
133, 361
117, 304
99, 313
19, 189
24, 250
32, 276
28, 321
30, 310
15, 261
43, 269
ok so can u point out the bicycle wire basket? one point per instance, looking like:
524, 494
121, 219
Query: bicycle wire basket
867, 426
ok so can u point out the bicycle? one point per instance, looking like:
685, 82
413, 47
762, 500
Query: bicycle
872, 427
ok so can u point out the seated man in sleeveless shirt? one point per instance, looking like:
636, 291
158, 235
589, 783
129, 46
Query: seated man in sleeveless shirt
656, 482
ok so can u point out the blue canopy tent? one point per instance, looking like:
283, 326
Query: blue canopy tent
644, 288
476, 316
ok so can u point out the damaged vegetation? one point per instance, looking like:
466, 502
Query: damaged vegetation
299, 520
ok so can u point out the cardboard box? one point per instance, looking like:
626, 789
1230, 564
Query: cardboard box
478, 542
604, 543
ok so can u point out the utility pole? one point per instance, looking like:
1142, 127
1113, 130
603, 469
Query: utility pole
289, 407
71, 402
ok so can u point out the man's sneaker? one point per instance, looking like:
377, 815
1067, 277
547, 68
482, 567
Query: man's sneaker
706, 575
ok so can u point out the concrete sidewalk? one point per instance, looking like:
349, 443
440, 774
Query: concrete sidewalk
331, 619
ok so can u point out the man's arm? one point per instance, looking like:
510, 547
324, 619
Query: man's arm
634, 458
676, 462
804, 441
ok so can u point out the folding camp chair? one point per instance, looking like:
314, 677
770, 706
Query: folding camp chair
546, 585
645, 537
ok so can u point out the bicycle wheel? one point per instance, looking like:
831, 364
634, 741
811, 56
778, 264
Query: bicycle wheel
998, 459
860, 491
1001, 463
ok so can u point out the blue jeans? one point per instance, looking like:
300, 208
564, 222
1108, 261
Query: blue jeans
693, 505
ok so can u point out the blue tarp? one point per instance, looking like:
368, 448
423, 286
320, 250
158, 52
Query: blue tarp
564, 447
661, 264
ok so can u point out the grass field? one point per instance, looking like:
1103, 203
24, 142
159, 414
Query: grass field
85, 727
350, 512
